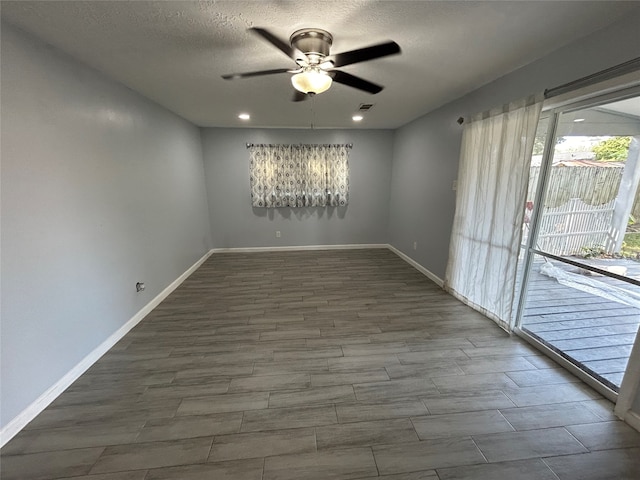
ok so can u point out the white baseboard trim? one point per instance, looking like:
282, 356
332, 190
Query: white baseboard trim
294, 248
437, 280
430, 275
632, 419
44, 400
12, 428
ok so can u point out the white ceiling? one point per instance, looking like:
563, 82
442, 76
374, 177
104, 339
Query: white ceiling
174, 52
629, 107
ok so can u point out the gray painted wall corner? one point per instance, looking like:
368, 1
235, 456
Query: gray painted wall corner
427, 150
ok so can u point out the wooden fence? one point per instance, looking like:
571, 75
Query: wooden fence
579, 207
592, 185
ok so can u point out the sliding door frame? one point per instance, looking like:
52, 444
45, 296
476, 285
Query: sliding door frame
553, 113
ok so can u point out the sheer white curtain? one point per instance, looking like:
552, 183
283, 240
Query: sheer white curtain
299, 175
491, 194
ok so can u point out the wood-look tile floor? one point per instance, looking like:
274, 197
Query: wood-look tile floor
321, 365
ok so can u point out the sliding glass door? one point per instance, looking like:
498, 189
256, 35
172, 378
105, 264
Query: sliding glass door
581, 266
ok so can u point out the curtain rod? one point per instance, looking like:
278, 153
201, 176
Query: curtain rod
606, 74
348, 145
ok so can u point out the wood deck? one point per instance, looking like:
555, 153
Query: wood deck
593, 331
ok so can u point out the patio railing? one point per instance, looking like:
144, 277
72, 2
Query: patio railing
569, 228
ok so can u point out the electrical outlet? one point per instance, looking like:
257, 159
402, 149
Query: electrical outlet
277, 233
415, 245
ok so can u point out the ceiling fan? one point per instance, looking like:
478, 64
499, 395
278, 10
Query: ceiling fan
315, 67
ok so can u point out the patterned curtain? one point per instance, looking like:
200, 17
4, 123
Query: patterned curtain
299, 175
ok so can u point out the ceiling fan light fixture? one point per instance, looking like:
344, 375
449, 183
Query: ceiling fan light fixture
311, 80
315, 67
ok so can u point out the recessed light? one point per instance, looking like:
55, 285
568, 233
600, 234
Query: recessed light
357, 118
578, 120
244, 116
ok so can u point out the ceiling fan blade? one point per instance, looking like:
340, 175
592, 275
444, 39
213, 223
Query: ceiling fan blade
353, 81
364, 54
299, 96
281, 45
233, 76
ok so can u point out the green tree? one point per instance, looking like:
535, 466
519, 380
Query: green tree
614, 149
538, 145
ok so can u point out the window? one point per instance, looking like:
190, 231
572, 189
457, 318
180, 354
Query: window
299, 175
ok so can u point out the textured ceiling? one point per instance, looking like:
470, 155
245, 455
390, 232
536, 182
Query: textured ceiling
174, 52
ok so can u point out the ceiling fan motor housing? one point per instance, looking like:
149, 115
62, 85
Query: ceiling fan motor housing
312, 41
315, 67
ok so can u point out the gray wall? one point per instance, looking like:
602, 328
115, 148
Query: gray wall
101, 188
237, 224
426, 154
